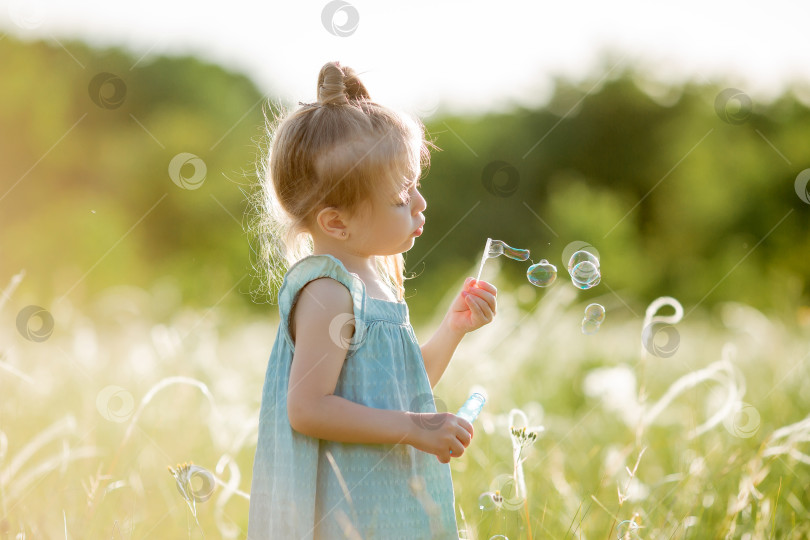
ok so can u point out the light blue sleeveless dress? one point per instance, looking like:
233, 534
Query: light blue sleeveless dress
395, 491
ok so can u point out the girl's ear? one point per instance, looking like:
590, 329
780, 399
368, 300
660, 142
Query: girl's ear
332, 222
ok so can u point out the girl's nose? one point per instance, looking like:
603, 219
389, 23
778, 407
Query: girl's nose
419, 203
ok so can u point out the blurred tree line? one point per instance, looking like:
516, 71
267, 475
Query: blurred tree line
685, 190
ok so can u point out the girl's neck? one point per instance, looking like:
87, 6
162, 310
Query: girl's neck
364, 267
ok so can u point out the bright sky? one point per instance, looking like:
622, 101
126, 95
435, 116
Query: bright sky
465, 55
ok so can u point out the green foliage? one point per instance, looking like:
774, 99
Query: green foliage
676, 200
673, 197
87, 188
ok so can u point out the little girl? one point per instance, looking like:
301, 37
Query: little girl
347, 418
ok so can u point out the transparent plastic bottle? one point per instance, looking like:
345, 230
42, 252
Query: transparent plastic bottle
469, 411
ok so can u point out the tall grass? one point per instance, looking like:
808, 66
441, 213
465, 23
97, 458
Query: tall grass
710, 442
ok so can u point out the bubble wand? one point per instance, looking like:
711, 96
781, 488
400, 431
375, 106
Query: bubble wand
495, 248
484, 258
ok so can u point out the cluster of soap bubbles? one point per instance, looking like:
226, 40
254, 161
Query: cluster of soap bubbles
583, 267
594, 316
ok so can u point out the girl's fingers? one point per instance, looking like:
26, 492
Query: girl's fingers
468, 427
472, 303
489, 298
483, 285
465, 438
479, 308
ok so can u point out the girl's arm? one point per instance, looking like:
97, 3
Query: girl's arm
473, 308
314, 410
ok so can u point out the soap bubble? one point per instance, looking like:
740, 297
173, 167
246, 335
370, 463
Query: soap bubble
583, 267
498, 247
578, 245
542, 274
585, 275
590, 327
499, 537
582, 256
594, 316
595, 312
627, 529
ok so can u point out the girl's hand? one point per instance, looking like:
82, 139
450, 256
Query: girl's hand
473, 307
440, 434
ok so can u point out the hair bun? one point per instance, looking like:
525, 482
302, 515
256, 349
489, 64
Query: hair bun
337, 85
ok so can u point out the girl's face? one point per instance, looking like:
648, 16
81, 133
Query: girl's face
390, 224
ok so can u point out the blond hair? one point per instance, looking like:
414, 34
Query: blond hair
334, 152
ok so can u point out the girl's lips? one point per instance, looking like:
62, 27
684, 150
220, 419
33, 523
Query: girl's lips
418, 232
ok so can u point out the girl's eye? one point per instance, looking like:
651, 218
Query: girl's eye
405, 196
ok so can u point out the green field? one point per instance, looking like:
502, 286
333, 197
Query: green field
134, 383
150, 346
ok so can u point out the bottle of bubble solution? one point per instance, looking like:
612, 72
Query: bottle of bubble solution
472, 407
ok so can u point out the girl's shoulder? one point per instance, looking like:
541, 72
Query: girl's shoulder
315, 267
